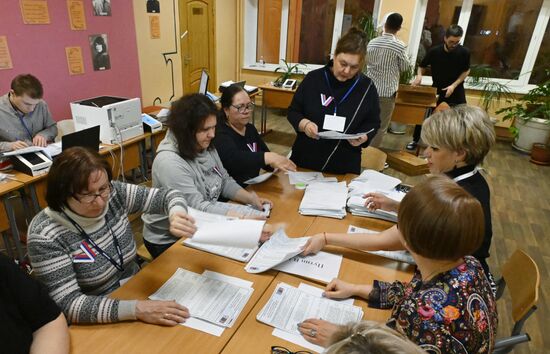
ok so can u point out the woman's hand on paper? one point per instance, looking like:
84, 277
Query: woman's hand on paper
257, 202
339, 289
318, 331
314, 244
267, 231
18, 144
182, 224
375, 201
278, 161
360, 140
166, 313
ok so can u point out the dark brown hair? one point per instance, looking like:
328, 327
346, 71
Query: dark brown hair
227, 100
353, 42
27, 84
187, 116
440, 220
70, 173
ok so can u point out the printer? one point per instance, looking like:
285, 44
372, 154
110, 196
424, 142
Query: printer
119, 118
34, 163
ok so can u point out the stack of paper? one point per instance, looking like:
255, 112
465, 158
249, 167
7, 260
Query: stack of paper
308, 177
334, 135
50, 150
321, 266
278, 249
401, 256
325, 199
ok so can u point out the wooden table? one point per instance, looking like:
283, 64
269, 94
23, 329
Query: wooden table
273, 97
7, 216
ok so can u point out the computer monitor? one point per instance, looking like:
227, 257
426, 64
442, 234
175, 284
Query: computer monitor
203, 85
88, 138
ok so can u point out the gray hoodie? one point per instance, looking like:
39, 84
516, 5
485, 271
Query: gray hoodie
202, 181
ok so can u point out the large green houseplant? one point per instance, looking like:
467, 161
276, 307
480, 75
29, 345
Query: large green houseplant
531, 116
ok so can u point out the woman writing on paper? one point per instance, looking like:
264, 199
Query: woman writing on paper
82, 246
448, 306
241, 149
458, 140
188, 162
336, 97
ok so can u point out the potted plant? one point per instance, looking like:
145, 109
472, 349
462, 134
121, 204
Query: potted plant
492, 92
531, 116
288, 70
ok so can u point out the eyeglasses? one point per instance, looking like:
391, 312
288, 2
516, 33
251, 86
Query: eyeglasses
242, 108
89, 198
282, 350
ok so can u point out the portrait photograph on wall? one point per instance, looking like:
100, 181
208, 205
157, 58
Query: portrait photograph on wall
153, 6
102, 7
100, 52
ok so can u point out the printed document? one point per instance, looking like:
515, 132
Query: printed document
238, 254
325, 199
260, 178
51, 150
212, 300
219, 230
322, 266
278, 249
334, 135
304, 177
401, 256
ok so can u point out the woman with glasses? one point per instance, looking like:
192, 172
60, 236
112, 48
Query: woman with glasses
340, 98
187, 161
241, 149
448, 306
82, 246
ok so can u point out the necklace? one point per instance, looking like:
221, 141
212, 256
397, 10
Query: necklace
443, 268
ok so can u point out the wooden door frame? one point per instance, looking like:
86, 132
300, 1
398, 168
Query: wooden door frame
182, 14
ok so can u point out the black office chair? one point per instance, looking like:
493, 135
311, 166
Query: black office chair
522, 276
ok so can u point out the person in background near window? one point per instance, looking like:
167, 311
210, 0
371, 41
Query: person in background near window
31, 321
241, 149
24, 117
387, 59
448, 306
450, 65
82, 246
336, 97
187, 161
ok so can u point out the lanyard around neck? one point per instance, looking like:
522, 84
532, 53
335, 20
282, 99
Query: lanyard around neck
96, 246
25, 126
465, 175
345, 96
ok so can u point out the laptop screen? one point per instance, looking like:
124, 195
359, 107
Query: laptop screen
203, 85
86, 138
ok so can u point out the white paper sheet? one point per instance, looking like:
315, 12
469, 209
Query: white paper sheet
374, 180
220, 230
322, 266
278, 249
165, 112
304, 177
401, 256
325, 199
238, 254
260, 178
50, 150
334, 135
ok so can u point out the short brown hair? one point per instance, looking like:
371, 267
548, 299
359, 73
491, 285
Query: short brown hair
353, 42
27, 84
440, 220
69, 174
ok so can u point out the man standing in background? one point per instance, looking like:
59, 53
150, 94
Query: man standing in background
386, 60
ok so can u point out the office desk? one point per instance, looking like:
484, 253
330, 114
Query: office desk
133, 157
273, 97
8, 222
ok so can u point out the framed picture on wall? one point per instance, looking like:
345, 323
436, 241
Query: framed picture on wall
100, 52
153, 6
102, 7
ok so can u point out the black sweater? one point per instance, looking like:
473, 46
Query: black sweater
237, 157
312, 154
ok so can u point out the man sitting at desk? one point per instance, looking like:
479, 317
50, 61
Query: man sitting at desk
24, 117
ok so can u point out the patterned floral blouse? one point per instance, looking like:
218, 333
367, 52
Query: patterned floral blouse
454, 312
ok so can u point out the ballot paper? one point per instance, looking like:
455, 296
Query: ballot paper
322, 266
297, 338
325, 199
289, 306
260, 178
356, 206
401, 256
50, 150
304, 177
334, 135
278, 249
238, 254
213, 300
219, 230
373, 180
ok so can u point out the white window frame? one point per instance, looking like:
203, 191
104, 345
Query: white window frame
521, 85
251, 34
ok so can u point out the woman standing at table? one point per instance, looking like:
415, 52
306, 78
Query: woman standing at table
241, 149
448, 306
458, 140
336, 97
188, 162
82, 247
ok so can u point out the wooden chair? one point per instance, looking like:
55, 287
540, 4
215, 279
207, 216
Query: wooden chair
373, 159
521, 274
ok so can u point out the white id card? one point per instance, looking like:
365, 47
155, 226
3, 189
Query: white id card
334, 122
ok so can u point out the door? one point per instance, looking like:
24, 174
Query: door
197, 46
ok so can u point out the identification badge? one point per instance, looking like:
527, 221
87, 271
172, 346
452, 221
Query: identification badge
334, 122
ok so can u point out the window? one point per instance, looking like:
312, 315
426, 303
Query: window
506, 36
299, 31
543, 60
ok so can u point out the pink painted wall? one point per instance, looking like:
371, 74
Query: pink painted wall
40, 50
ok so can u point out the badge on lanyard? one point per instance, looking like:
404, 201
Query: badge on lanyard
88, 255
334, 122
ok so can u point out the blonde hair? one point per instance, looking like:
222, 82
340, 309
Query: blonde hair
369, 337
462, 128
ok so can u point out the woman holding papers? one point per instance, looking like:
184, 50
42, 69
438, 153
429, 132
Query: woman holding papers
448, 306
337, 97
458, 140
241, 149
82, 247
188, 162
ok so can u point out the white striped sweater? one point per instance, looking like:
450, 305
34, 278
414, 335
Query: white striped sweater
386, 59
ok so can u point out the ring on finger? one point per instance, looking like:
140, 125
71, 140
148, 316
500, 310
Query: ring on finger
312, 333
166, 316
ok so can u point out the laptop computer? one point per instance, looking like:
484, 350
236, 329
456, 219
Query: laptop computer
203, 85
88, 138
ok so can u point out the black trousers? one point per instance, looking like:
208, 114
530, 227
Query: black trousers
156, 249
